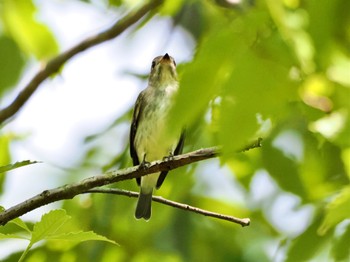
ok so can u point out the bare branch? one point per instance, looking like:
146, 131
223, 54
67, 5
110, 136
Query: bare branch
241, 221
53, 65
70, 191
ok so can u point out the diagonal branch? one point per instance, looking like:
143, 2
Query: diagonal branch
54, 65
241, 221
70, 191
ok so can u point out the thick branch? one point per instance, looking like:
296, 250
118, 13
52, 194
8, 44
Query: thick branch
70, 191
241, 221
55, 64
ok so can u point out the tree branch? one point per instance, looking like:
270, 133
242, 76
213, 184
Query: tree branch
53, 65
241, 221
70, 191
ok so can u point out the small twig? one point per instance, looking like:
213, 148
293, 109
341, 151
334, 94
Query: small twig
54, 65
241, 221
254, 144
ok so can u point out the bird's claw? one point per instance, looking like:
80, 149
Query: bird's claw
169, 157
144, 165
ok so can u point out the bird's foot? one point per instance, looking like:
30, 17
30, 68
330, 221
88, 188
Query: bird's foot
144, 164
169, 157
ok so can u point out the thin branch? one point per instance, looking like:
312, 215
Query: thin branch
53, 65
241, 221
70, 191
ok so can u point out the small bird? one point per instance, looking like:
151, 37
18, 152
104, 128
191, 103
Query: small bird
148, 138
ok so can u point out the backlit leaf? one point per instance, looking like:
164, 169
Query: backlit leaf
21, 24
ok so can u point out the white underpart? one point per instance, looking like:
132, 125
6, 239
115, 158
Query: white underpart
151, 139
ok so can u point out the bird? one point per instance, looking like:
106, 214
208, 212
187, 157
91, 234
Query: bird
149, 140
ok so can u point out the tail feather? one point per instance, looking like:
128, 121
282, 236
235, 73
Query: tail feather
143, 208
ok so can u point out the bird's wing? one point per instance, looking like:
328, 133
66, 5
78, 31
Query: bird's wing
133, 130
178, 151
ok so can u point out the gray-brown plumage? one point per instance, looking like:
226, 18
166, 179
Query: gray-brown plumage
148, 138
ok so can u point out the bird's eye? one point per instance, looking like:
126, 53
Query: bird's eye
153, 64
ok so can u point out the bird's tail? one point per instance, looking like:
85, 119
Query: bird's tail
143, 208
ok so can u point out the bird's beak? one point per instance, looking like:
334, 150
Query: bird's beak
165, 59
166, 56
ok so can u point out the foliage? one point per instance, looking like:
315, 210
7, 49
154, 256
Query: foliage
272, 69
16, 165
53, 226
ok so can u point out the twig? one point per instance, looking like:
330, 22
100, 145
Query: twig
53, 65
70, 191
241, 221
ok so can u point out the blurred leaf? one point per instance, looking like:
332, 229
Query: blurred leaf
21, 24
333, 19
252, 89
171, 7
5, 157
115, 2
11, 236
341, 249
50, 227
11, 63
308, 244
291, 25
191, 17
203, 77
283, 169
322, 169
10, 167
337, 210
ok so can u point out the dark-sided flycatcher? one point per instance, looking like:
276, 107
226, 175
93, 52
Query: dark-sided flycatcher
148, 138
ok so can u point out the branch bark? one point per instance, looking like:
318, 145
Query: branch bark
53, 65
241, 221
70, 191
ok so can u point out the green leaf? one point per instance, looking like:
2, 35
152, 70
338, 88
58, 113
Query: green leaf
11, 236
5, 157
308, 244
11, 63
283, 169
256, 86
51, 227
202, 79
171, 7
80, 237
21, 24
48, 226
6, 168
337, 211
19, 222
340, 249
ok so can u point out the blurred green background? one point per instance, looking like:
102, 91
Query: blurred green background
279, 70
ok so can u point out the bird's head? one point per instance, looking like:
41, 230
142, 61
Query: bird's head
163, 70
